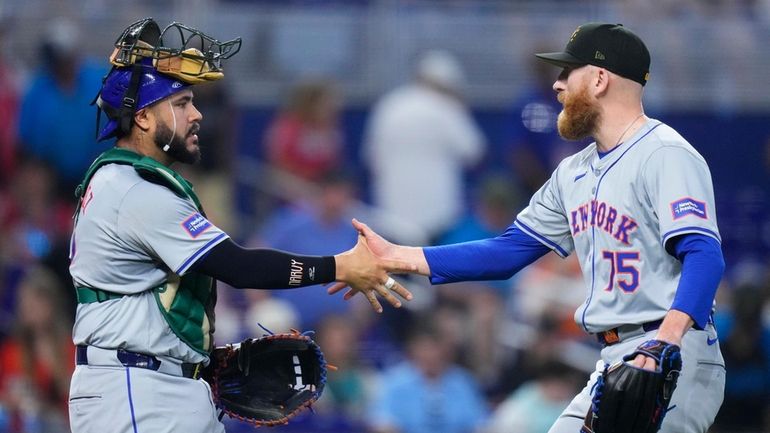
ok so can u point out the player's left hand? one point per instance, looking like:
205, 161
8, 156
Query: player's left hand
629, 399
649, 363
644, 362
364, 272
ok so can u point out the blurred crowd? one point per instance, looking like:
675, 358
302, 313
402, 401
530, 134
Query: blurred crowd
487, 357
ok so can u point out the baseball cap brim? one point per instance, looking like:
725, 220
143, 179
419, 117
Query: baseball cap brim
561, 59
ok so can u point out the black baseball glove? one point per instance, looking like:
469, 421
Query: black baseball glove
627, 399
268, 380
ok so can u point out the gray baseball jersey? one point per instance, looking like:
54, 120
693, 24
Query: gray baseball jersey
131, 236
617, 213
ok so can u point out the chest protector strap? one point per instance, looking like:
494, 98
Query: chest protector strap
187, 302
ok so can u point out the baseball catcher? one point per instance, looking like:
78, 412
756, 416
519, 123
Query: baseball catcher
629, 399
266, 381
145, 259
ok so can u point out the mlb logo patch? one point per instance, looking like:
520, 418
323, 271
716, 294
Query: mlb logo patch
196, 224
688, 206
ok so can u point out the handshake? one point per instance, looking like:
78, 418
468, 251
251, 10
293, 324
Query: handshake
366, 268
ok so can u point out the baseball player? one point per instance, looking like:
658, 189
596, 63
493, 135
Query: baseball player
144, 255
637, 207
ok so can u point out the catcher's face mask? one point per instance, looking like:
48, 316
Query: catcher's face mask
150, 65
179, 51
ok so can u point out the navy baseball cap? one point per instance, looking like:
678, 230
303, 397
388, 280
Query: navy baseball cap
609, 46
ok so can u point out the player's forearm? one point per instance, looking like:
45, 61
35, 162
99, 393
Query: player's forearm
674, 326
702, 269
264, 268
496, 258
413, 255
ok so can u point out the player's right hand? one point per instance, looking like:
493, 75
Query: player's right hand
379, 245
363, 271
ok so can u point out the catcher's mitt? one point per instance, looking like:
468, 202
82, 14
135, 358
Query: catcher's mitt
266, 381
627, 399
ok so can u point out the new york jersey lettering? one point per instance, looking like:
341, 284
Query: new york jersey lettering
602, 216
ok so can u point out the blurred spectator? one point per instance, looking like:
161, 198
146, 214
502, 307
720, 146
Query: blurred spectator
495, 202
35, 227
217, 134
213, 177
547, 338
37, 360
269, 312
305, 138
471, 321
552, 285
483, 305
536, 404
348, 388
427, 393
318, 226
419, 140
56, 121
745, 339
534, 145
9, 107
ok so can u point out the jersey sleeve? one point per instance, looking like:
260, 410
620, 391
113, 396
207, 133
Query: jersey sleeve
166, 227
546, 220
678, 185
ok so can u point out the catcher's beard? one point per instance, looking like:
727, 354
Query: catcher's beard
579, 117
177, 146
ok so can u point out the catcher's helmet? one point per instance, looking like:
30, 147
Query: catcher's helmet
153, 86
150, 65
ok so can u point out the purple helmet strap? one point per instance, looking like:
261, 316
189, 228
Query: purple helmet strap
128, 108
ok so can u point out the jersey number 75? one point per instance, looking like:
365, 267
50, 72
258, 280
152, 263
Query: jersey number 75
623, 270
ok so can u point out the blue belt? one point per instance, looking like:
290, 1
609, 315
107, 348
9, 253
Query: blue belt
139, 360
616, 335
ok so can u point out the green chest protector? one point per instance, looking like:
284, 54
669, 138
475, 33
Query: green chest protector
187, 303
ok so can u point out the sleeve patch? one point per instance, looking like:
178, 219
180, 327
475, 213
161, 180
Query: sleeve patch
195, 225
688, 206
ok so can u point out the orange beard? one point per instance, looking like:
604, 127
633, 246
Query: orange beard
579, 117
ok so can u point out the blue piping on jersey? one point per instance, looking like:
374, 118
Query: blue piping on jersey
198, 253
580, 176
593, 229
542, 239
690, 229
130, 399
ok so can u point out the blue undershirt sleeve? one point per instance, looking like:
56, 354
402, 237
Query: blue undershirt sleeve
702, 269
495, 258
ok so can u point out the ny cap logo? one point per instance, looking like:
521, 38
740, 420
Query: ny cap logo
599, 55
571, 38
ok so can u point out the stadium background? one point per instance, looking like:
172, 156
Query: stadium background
709, 81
